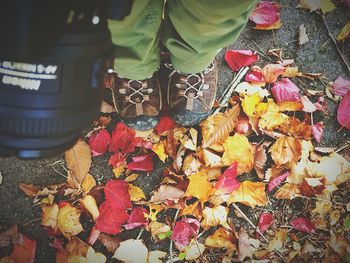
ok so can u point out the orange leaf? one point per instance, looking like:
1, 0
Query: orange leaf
272, 71
297, 128
199, 187
286, 150
249, 193
288, 191
221, 239
272, 118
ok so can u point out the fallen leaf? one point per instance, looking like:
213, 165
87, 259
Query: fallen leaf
68, 220
159, 149
99, 141
260, 159
23, 250
255, 77
227, 181
199, 187
135, 193
78, 160
272, 118
183, 232
159, 230
276, 25
131, 177
238, 149
279, 240
122, 140
246, 88
142, 163
221, 238
341, 86
210, 158
95, 257
313, 5
194, 210
190, 141
312, 186
88, 184
343, 113
249, 193
90, 205
299, 129
110, 219
246, 245
194, 250
215, 216
334, 217
277, 181
49, 216
286, 150
302, 36
156, 256
137, 218
303, 224
265, 221
240, 58
106, 107
344, 33
154, 210
116, 160
288, 191
291, 72
265, 13
249, 103
272, 71
116, 192
7, 236
167, 193
285, 90
190, 164
111, 243
308, 106
126, 251
339, 243
216, 128
165, 124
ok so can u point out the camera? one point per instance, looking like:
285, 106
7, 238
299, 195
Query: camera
53, 59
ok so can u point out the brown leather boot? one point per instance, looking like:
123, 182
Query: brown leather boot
191, 96
138, 102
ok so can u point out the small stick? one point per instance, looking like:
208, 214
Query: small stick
335, 43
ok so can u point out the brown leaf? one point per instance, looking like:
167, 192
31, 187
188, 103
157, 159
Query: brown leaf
297, 128
7, 236
286, 150
260, 158
302, 37
217, 127
110, 242
33, 191
246, 245
167, 193
106, 107
102, 121
170, 144
78, 160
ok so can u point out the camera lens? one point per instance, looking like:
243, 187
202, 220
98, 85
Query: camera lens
48, 93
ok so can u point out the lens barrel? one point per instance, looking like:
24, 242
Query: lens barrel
49, 93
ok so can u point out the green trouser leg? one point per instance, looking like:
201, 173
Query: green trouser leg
136, 39
194, 31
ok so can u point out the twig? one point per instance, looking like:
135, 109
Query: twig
171, 240
335, 43
140, 234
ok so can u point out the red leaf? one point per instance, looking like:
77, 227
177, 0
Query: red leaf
341, 86
165, 124
303, 224
343, 114
99, 141
277, 181
265, 14
23, 250
123, 139
240, 58
116, 159
110, 220
116, 192
227, 181
309, 191
265, 221
254, 76
317, 131
285, 90
142, 163
184, 231
137, 218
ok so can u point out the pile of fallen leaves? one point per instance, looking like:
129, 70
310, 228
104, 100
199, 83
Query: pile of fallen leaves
248, 182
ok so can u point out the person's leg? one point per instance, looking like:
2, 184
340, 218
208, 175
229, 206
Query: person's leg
136, 39
196, 30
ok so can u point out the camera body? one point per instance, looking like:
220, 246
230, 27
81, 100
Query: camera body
53, 59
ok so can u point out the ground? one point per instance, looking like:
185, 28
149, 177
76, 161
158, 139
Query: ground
318, 56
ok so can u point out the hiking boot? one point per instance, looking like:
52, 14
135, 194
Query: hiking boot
138, 102
191, 96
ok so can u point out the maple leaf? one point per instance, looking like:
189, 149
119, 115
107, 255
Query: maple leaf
277, 181
249, 103
313, 5
272, 71
303, 224
131, 251
142, 163
167, 193
78, 160
99, 141
116, 192
246, 245
285, 90
49, 215
165, 124
215, 216
343, 113
135, 193
137, 218
221, 238
23, 250
286, 150
183, 232
341, 86
227, 181
90, 205
68, 220
199, 187
265, 14
216, 128
249, 193
110, 219
240, 58
238, 149
265, 221
123, 139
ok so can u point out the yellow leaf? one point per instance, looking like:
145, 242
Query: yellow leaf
286, 150
119, 169
272, 118
93, 257
78, 160
194, 209
88, 183
49, 216
190, 164
157, 229
238, 149
290, 106
216, 128
344, 33
249, 193
159, 149
136, 193
90, 205
199, 187
190, 142
68, 221
131, 177
278, 242
249, 103
215, 216
131, 251
312, 5
288, 191
156, 256
221, 239
291, 72
154, 210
